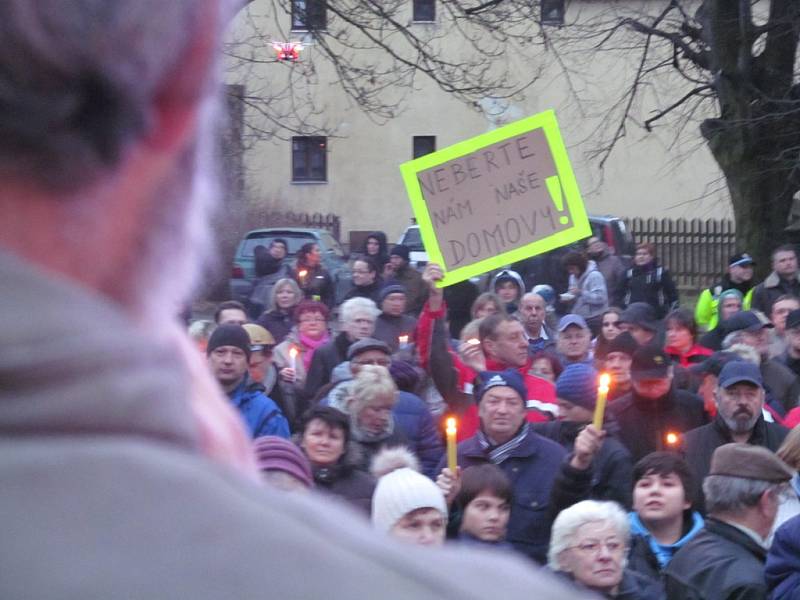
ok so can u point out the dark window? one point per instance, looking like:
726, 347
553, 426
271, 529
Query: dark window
424, 144
308, 15
552, 12
424, 10
309, 158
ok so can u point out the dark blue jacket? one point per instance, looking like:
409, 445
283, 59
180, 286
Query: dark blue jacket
532, 467
260, 413
412, 417
783, 562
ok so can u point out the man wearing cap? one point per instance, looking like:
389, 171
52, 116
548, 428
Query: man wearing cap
706, 375
598, 466
228, 357
740, 404
655, 412
574, 340
739, 277
530, 460
264, 375
393, 323
752, 330
641, 321
399, 270
617, 363
784, 279
726, 559
532, 313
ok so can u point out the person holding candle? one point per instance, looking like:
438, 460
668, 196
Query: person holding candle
314, 280
529, 460
393, 324
599, 466
293, 355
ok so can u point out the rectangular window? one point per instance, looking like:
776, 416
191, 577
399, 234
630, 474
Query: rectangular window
309, 15
553, 12
424, 10
424, 144
309, 158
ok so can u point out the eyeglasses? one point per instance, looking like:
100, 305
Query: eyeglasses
593, 547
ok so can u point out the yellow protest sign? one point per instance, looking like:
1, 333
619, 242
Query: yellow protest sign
497, 198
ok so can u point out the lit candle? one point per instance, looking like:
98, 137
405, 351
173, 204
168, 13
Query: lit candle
292, 358
450, 431
473, 341
302, 275
600, 407
402, 340
671, 438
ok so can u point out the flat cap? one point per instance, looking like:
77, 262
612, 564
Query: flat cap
365, 344
749, 462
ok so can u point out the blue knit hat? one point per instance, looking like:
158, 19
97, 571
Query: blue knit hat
577, 384
508, 378
391, 287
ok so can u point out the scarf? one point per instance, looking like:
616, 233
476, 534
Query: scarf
497, 454
310, 345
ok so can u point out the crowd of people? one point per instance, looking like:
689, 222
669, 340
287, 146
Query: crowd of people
690, 461
295, 449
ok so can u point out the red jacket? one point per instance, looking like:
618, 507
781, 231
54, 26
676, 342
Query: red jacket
695, 354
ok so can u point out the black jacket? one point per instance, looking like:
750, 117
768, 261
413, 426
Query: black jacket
389, 329
370, 292
699, 444
651, 283
644, 423
609, 478
277, 322
772, 288
633, 586
316, 282
325, 359
346, 480
719, 563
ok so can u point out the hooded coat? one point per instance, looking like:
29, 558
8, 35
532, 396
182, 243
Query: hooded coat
593, 299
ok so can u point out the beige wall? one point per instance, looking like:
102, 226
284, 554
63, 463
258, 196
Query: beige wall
652, 174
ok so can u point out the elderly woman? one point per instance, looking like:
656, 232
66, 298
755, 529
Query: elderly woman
334, 458
293, 355
589, 543
371, 397
277, 319
357, 320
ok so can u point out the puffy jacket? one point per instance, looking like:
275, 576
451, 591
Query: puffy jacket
719, 563
593, 299
783, 562
644, 423
652, 284
532, 467
260, 413
699, 444
706, 312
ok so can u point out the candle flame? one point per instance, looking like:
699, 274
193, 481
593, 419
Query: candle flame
403, 339
671, 438
605, 381
303, 273
473, 341
293, 352
450, 425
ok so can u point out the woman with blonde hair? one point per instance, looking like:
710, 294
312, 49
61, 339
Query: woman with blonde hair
277, 319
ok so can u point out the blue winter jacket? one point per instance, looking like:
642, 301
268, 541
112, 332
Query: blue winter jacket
413, 418
260, 413
783, 562
532, 467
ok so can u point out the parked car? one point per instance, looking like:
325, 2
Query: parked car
334, 258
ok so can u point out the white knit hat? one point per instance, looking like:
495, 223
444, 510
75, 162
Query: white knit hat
401, 492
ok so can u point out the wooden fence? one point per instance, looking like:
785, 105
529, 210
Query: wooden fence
695, 251
289, 218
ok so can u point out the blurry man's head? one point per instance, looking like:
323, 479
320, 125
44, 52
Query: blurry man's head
501, 404
784, 261
368, 351
392, 300
574, 338
740, 396
230, 312
261, 345
740, 268
229, 355
596, 247
503, 339
278, 248
532, 308
576, 392
640, 320
124, 180
662, 489
619, 357
780, 310
651, 373
793, 333
749, 328
399, 256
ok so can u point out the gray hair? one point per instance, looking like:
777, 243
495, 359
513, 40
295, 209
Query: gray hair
356, 306
79, 80
201, 329
726, 494
373, 382
576, 516
743, 351
281, 283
